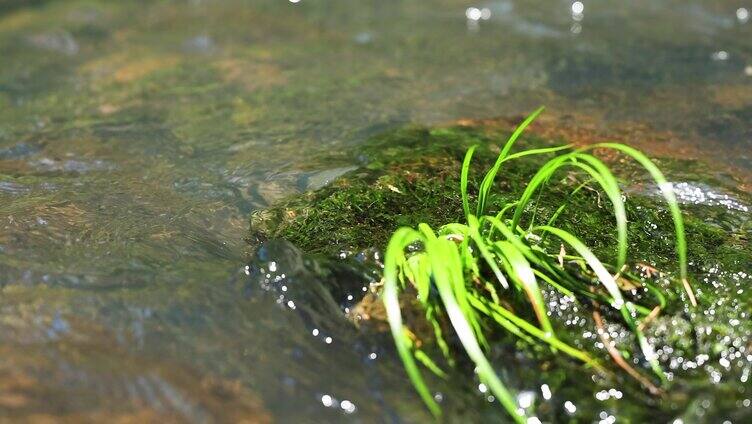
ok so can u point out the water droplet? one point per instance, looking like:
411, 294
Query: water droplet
347, 406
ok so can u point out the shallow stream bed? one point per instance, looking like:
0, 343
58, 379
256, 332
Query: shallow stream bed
137, 137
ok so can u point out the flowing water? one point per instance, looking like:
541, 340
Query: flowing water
136, 137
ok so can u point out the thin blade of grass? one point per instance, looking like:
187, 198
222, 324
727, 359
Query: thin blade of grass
498, 311
455, 265
474, 233
595, 264
522, 273
463, 180
611, 187
668, 193
443, 254
540, 177
394, 256
605, 277
490, 176
598, 172
539, 151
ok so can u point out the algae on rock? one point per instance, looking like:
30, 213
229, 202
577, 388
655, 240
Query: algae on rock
411, 175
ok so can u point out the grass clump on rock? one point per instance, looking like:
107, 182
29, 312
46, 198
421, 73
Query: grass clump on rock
472, 264
494, 240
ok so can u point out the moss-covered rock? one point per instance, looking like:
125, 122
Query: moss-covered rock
407, 177
411, 176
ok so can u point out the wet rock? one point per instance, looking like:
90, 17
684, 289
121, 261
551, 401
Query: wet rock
19, 150
411, 176
13, 188
72, 165
319, 179
59, 41
318, 288
199, 44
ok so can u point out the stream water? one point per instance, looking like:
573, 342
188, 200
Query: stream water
136, 137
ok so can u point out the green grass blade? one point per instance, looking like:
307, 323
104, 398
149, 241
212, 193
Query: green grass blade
490, 176
668, 193
600, 173
611, 186
539, 151
463, 179
418, 270
626, 309
427, 362
540, 177
600, 271
522, 273
454, 262
393, 257
498, 311
474, 233
563, 290
442, 252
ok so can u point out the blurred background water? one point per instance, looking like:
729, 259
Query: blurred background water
136, 137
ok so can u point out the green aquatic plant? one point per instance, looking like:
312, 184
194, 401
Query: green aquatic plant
463, 271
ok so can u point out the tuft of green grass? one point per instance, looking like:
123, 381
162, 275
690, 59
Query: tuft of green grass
474, 264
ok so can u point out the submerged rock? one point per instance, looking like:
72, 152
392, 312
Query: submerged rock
318, 288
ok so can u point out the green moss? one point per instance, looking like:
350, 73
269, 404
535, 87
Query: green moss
411, 176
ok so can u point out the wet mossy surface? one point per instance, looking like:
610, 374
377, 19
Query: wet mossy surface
407, 176
411, 175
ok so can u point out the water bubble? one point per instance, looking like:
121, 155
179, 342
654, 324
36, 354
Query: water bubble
199, 44
720, 55
546, 392
327, 401
570, 407
606, 418
526, 399
473, 13
742, 14
347, 406
363, 38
